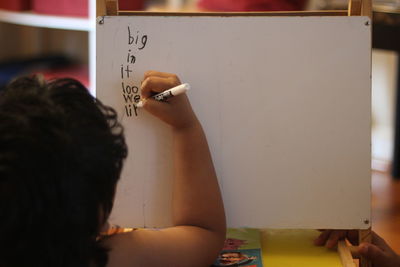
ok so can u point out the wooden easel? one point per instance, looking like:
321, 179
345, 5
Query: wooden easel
355, 8
347, 253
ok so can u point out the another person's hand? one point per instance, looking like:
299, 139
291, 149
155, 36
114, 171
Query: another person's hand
176, 111
378, 252
330, 238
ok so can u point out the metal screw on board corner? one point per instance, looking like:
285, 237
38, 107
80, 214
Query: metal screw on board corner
366, 221
367, 23
101, 21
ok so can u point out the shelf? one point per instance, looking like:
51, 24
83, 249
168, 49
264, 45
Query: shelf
46, 21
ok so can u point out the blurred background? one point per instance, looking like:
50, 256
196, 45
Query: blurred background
57, 38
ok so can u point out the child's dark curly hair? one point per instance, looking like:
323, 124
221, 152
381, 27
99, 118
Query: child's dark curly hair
61, 155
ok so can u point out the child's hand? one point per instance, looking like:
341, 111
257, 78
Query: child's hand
176, 111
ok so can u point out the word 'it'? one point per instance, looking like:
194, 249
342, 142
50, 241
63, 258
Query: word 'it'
126, 71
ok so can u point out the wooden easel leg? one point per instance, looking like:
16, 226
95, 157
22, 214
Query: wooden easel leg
354, 8
366, 8
100, 8
112, 7
345, 254
364, 236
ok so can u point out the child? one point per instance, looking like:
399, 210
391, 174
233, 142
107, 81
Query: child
61, 154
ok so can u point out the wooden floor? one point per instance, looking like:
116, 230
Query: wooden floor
386, 208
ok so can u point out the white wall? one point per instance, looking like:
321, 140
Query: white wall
384, 72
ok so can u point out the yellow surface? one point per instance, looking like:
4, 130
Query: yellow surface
287, 248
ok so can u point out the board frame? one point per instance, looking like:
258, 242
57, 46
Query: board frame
348, 255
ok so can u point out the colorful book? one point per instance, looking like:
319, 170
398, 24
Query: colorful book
242, 248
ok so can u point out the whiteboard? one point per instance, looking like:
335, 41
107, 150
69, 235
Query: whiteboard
285, 104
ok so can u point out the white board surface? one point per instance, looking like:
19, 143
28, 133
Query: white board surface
285, 104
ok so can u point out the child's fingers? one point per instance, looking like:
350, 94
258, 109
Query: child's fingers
157, 108
322, 238
330, 238
352, 236
334, 237
154, 84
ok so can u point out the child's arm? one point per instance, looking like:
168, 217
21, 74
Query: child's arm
198, 214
